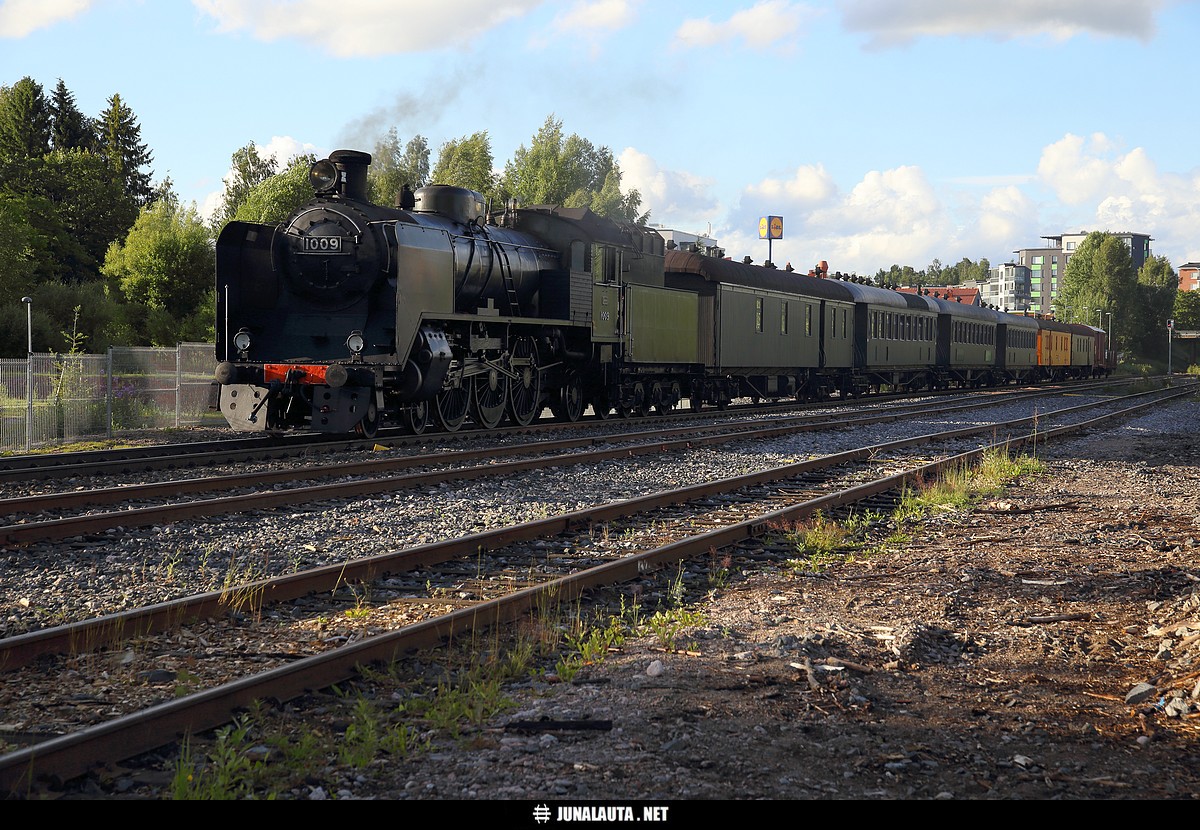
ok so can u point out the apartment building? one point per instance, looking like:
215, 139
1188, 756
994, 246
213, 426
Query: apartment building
1189, 276
1048, 264
1007, 288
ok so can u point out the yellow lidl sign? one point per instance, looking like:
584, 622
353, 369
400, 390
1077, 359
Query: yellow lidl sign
770, 227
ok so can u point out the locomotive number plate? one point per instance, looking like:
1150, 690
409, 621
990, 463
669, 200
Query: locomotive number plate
321, 244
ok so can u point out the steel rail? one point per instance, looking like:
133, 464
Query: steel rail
53, 529
113, 495
210, 453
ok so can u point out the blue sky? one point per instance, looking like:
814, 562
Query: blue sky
883, 131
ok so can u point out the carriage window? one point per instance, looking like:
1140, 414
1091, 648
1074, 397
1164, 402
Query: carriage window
758, 314
783, 315
808, 320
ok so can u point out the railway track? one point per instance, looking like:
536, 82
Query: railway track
241, 449
39, 517
747, 507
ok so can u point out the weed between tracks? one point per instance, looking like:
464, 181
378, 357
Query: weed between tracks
822, 541
395, 713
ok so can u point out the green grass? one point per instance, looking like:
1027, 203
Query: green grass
389, 715
822, 542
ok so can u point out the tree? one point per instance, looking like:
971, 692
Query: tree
70, 129
25, 118
467, 162
1157, 284
16, 249
72, 210
120, 141
165, 268
1187, 310
164, 191
99, 313
56, 254
274, 199
610, 202
392, 167
1100, 276
89, 205
249, 169
933, 274
67, 196
569, 171
965, 270
899, 275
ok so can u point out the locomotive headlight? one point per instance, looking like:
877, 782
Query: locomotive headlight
241, 340
355, 342
323, 176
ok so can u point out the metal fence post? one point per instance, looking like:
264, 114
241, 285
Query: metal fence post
28, 401
108, 395
178, 383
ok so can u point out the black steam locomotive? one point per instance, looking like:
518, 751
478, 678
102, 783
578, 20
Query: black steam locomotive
350, 315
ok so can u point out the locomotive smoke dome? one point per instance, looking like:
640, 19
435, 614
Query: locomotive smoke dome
350, 315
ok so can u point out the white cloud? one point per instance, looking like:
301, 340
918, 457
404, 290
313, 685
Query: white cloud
597, 16
1007, 222
365, 28
1075, 168
810, 186
19, 18
1122, 191
892, 199
285, 148
587, 21
1125, 192
764, 25
896, 22
683, 201
891, 216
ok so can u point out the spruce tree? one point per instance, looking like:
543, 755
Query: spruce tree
70, 129
120, 138
24, 122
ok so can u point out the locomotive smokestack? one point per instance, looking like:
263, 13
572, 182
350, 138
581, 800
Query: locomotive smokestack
353, 166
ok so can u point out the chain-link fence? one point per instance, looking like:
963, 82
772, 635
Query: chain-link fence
51, 398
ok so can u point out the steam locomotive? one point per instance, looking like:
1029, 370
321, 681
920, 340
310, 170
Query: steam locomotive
350, 315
